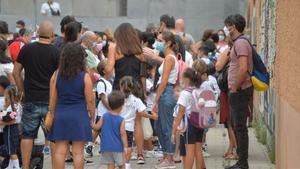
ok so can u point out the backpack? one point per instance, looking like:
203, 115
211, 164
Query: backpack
260, 76
181, 68
97, 99
222, 78
203, 108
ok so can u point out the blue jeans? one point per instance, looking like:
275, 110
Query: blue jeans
164, 124
33, 114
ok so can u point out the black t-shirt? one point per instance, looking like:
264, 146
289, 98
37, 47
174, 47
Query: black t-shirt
39, 61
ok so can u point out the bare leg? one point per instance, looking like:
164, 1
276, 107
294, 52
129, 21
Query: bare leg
111, 166
190, 156
77, 150
177, 154
26, 150
138, 134
61, 148
52, 147
199, 158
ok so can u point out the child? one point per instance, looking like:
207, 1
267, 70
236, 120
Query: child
132, 107
10, 118
114, 140
176, 137
104, 88
192, 78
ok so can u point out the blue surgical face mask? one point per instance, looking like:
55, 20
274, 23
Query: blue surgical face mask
221, 37
18, 30
160, 46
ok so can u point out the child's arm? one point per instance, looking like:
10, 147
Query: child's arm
98, 125
124, 137
178, 118
104, 101
153, 115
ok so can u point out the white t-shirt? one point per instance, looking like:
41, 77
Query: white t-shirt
6, 69
2, 103
173, 74
18, 108
40, 140
185, 101
101, 109
214, 84
206, 60
150, 95
132, 106
45, 9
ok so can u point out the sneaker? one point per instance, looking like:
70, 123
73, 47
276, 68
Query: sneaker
166, 165
88, 153
140, 159
46, 150
127, 166
134, 156
205, 154
238, 166
88, 163
154, 154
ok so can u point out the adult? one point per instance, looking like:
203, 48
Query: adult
50, 8
15, 47
4, 33
205, 36
240, 86
35, 86
222, 65
222, 44
73, 106
88, 42
125, 58
187, 38
6, 64
20, 24
164, 101
59, 40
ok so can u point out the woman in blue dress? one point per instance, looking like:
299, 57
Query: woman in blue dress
73, 106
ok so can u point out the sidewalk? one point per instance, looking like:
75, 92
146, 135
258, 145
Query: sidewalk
217, 144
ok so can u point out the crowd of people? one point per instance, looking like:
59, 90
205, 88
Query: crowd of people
62, 94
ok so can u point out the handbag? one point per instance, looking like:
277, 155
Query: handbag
49, 119
147, 128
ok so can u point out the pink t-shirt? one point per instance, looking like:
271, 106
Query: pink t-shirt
240, 48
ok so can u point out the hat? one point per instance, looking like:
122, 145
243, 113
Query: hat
3, 27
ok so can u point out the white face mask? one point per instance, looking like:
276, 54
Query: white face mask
18, 30
221, 38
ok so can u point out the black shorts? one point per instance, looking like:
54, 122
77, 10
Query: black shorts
182, 146
193, 135
129, 138
11, 140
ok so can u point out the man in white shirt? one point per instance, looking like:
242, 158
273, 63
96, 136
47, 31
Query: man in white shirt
50, 8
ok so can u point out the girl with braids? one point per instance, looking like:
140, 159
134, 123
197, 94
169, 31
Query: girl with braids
133, 106
6, 64
10, 119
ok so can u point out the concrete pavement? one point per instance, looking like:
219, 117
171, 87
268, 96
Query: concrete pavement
217, 143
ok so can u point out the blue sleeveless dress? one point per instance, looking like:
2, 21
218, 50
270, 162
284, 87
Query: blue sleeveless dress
71, 118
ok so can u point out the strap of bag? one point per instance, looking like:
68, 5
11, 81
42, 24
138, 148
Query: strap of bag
52, 10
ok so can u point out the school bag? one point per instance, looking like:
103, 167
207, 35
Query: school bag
97, 99
181, 68
203, 108
260, 76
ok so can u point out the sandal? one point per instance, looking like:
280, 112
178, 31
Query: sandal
231, 157
140, 159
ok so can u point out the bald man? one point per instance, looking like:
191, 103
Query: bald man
187, 38
39, 60
88, 41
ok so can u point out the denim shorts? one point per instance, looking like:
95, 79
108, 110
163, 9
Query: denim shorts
33, 115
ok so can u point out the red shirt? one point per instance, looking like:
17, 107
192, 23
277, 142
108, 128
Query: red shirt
16, 46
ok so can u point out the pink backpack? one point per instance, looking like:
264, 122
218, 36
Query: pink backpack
203, 108
181, 67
